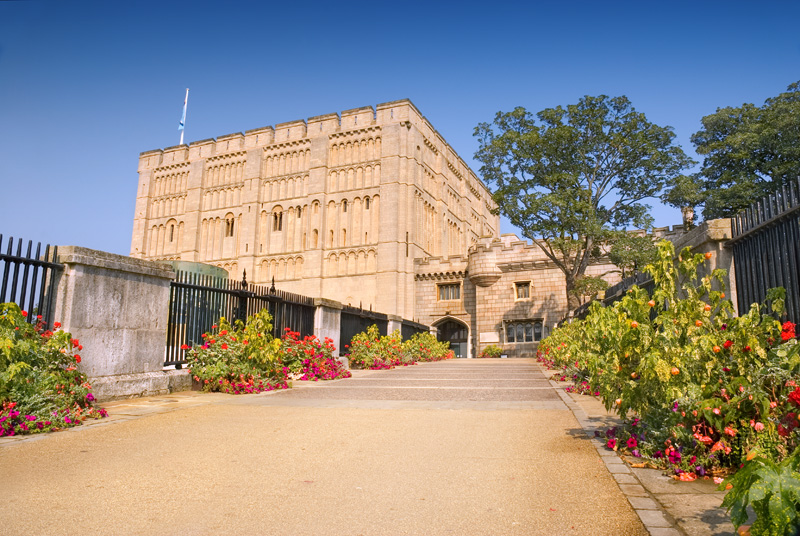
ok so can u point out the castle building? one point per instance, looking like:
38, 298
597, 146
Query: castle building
336, 206
371, 208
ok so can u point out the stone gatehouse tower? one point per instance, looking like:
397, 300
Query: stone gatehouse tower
336, 206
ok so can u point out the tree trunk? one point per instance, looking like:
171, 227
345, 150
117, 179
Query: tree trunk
573, 302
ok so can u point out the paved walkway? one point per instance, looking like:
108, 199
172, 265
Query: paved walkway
465, 447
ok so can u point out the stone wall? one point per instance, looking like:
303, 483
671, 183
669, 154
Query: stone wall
117, 307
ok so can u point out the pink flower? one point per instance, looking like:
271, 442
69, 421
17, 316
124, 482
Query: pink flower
612, 444
631, 443
716, 411
759, 426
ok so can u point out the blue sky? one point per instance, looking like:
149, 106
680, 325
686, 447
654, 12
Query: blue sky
85, 86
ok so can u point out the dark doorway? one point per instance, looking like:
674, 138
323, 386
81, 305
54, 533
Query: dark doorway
456, 334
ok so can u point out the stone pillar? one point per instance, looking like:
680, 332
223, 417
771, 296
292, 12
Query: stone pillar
328, 321
117, 306
395, 322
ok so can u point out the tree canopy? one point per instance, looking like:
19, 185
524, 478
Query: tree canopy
572, 179
749, 151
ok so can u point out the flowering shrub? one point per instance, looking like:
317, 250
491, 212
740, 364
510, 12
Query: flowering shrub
369, 350
491, 351
41, 388
310, 359
423, 346
705, 388
239, 358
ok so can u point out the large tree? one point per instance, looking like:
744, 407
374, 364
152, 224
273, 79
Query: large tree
572, 179
748, 152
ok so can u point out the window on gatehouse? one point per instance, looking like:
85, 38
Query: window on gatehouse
522, 290
524, 331
449, 291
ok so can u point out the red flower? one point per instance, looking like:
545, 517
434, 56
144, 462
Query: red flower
184, 346
224, 346
56, 325
787, 331
24, 313
728, 344
77, 358
794, 397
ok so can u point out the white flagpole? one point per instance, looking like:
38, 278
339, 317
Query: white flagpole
182, 123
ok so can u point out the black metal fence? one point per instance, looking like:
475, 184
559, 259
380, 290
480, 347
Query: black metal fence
29, 278
615, 293
354, 320
766, 249
198, 301
409, 329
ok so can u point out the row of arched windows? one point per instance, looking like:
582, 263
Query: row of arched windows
285, 163
165, 239
222, 173
167, 206
222, 198
169, 183
354, 178
286, 188
219, 237
282, 269
362, 261
350, 152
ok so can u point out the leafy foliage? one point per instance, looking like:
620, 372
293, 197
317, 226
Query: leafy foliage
41, 388
309, 358
703, 390
749, 151
577, 176
491, 351
239, 358
368, 350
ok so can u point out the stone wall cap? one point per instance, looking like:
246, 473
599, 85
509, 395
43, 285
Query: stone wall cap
176, 147
291, 124
352, 111
112, 261
710, 230
259, 130
229, 136
202, 142
323, 117
154, 151
330, 304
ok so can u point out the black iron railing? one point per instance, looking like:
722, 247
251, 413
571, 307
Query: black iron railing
29, 278
766, 249
354, 320
198, 301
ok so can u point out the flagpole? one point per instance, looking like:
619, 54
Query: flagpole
182, 123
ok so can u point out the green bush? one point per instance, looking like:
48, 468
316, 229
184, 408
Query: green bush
423, 346
41, 388
239, 358
491, 351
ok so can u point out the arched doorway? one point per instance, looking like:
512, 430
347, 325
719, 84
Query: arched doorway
456, 333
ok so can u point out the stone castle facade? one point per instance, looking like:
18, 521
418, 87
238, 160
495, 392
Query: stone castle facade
369, 207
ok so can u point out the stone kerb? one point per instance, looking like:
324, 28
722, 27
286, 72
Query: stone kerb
117, 306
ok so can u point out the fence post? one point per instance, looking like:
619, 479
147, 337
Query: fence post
328, 321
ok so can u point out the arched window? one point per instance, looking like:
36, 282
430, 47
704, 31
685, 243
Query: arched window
277, 221
366, 203
171, 233
229, 226
344, 205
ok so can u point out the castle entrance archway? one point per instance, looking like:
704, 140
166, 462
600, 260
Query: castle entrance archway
456, 333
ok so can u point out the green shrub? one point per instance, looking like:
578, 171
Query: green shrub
491, 351
239, 358
41, 388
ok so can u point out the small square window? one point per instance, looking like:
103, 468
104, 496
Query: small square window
522, 290
450, 291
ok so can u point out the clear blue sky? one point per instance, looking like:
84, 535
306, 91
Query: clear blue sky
85, 86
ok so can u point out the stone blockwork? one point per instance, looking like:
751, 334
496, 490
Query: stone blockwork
118, 306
